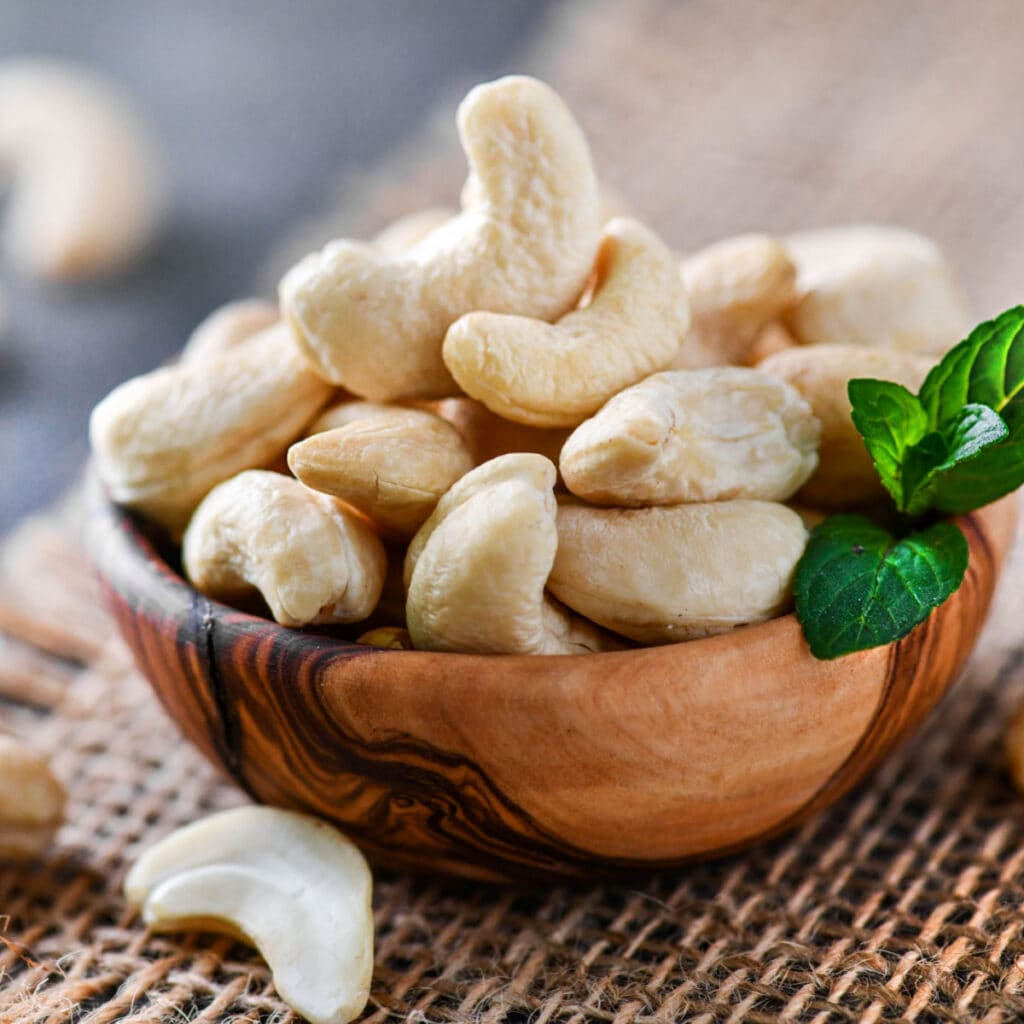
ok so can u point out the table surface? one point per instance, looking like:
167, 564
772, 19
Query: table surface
263, 109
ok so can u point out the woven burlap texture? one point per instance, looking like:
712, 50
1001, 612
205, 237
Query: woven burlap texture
900, 903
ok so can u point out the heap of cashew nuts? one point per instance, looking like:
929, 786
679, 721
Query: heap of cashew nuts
524, 428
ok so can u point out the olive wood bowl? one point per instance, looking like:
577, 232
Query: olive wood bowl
495, 766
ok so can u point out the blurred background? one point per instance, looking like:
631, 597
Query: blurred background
282, 123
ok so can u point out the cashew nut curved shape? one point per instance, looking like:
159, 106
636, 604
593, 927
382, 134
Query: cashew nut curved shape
476, 570
313, 560
162, 440
288, 883
845, 476
403, 234
694, 435
227, 327
556, 375
374, 324
880, 287
86, 194
736, 287
678, 572
31, 801
393, 466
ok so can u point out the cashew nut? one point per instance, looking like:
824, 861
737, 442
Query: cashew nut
736, 287
694, 435
31, 801
659, 575
845, 475
392, 467
288, 883
881, 287
392, 638
162, 440
311, 559
403, 234
772, 338
374, 324
86, 193
557, 375
227, 327
476, 570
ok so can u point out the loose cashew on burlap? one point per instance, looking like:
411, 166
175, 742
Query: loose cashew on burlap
227, 327
313, 560
86, 192
477, 568
679, 572
845, 475
880, 287
288, 883
374, 324
31, 801
393, 466
556, 375
163, 440
694, 435
737, 287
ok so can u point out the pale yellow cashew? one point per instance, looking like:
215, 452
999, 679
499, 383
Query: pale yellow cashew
31, 801
556, 375
880, 287
736, 288
313, 560
289, 884
374, 324
227, 327
694, 435
679, 572
403, 234
845, 476
477, 568
392, 467
86, 193
163, 440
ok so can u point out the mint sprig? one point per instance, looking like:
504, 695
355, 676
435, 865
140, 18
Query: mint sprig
955, 446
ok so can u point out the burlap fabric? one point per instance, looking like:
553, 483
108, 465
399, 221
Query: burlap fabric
900, 903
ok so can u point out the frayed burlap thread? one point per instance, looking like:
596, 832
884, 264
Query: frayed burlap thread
902, 902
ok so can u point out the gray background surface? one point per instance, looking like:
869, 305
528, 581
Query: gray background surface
262, 108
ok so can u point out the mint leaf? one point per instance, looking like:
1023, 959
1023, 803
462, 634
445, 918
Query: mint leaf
935, 469
857, 586
890, 419
986, 369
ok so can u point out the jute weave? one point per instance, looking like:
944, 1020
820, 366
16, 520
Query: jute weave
900, 903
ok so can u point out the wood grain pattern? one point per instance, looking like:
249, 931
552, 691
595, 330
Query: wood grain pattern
573, 766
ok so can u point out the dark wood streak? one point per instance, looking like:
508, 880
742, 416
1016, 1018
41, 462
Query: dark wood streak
407, 751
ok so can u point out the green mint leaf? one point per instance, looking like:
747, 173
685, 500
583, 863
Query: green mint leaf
890, 419
986, 369
935, 470
857, 586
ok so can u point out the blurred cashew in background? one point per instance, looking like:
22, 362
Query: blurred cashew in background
374, 324
846, 476
163, 440
694, 435
31, 801
476, 570
880, 287
407, 232
556, 375
312, 560
659, 575
393, 467
289, 884
736, 287
86, 191
227, 327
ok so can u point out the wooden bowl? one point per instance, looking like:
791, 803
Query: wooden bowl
574, 766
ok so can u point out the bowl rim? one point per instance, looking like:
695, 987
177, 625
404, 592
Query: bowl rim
118, 541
